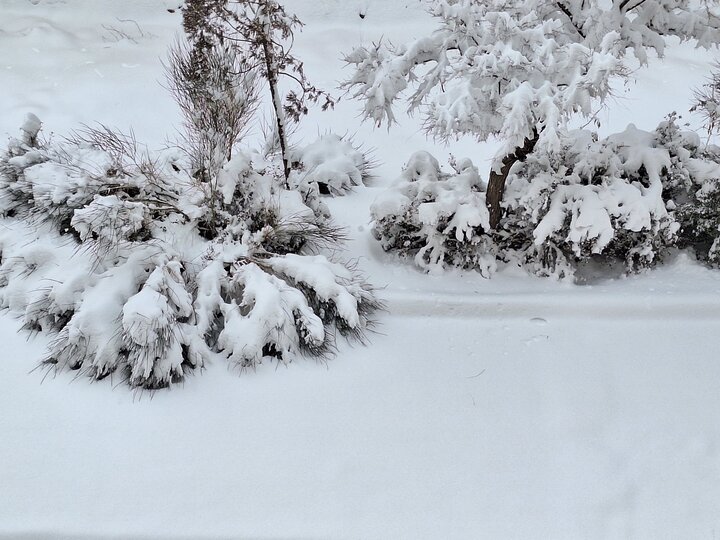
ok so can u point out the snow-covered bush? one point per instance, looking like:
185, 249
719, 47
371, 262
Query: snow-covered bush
628, 197
333, 163
700, 215
593, 198
631, 195
694, 189
148, 264
121, 265
438, 218
707, 101
700, 219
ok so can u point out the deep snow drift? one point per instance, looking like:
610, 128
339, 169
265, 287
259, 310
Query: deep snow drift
515, 407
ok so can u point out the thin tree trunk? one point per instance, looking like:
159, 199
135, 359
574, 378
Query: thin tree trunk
277, 105
496, 184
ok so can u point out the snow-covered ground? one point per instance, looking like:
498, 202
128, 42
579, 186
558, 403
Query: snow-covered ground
515, 407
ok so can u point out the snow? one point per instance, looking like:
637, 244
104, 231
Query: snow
410, 214
333, 162
108, 217
496, 428
515, 407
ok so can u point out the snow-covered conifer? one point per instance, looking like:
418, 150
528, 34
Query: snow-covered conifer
707, 102
699, 201
436, 217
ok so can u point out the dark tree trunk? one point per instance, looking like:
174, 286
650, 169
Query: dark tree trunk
496, 184
277, 105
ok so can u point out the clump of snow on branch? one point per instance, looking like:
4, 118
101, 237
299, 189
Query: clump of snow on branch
334, 164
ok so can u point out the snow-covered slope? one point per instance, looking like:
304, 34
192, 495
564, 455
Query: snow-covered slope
515, 407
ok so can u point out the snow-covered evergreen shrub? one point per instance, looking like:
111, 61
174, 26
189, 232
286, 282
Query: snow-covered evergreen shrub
700, 219
693, 188
596, 197
699, 213
628, 197
707, 101
438, 218
150, 265
334, 164
125, 273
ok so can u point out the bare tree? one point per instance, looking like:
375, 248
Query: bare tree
261, 32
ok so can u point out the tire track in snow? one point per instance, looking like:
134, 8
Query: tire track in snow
585, 306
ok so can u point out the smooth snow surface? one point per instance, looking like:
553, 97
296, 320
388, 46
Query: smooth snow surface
518, 427
514, 407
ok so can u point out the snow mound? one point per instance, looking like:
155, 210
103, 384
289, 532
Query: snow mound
334, 164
